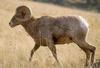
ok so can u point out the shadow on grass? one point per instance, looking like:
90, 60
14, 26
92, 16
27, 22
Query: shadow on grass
74, 4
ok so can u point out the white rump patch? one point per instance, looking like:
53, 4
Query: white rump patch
84, 23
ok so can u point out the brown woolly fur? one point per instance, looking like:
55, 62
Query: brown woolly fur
49, 31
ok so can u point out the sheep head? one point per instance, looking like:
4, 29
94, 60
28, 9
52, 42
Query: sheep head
22, 14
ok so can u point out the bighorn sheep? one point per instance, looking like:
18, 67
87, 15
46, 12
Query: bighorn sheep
48, 31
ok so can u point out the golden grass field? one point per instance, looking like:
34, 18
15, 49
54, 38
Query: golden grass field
16, 44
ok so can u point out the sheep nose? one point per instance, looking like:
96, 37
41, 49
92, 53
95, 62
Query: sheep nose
11, 24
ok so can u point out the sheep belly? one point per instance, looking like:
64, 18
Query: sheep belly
63, 40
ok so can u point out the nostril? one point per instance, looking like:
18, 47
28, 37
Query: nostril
9, 23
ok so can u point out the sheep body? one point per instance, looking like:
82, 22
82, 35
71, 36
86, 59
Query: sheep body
48, 31
57, 28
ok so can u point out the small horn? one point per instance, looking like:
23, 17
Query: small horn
25, 11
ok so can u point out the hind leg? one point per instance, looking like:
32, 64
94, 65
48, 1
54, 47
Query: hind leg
87, 52
87, 49
93, 54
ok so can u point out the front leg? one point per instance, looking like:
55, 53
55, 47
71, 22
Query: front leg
33, 50
52, 48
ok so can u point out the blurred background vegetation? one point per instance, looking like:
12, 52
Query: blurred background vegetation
81, 4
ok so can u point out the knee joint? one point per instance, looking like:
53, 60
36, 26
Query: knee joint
93, 49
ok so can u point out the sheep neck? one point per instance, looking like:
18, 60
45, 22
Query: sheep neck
28, 26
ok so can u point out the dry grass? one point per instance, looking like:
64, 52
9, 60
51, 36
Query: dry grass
16, 44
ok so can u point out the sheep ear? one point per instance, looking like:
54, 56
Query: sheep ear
25, 11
